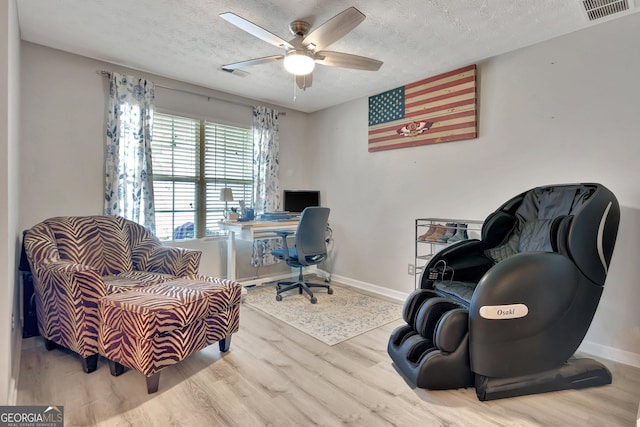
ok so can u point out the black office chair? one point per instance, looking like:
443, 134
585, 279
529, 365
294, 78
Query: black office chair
506, 313
310, 248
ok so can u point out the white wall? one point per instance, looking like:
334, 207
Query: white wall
566, 110
63, 101
561, 111
62, 154
9, 208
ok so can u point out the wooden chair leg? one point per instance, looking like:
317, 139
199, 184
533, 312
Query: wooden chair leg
90, 364
116, 368
152, 383
49, 345
225, 344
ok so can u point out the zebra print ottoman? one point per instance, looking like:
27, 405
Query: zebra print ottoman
148, 329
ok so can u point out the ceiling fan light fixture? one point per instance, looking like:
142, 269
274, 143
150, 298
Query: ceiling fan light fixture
299, 62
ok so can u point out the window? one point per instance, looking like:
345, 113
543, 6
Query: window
192, 160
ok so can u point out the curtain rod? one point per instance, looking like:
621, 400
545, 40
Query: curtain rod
209, 97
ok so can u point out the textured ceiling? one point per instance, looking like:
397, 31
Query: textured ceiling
187, 40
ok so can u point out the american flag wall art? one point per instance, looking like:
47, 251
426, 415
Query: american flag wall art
437, 109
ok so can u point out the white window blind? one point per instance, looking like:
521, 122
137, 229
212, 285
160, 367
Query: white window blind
192, 161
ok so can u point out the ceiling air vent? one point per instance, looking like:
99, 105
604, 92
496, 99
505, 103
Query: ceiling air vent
597, 9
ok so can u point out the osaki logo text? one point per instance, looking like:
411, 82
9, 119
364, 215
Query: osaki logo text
506, 311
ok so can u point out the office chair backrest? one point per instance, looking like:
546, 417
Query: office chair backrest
311, 233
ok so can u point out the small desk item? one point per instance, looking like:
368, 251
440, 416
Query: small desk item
276, 216
251, 230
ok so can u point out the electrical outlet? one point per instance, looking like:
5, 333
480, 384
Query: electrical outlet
411, 269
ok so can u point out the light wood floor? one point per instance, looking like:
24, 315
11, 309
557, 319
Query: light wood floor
275, 375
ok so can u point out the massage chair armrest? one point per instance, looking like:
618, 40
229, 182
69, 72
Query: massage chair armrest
460, 249
524, 315
465, 260
170, 260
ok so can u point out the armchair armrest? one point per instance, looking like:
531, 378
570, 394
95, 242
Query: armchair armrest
528, 314
170, 260
70, 293
74, 280
149, 254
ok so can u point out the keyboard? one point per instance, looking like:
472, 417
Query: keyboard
276, 216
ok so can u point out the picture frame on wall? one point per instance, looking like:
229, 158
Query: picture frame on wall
437, 109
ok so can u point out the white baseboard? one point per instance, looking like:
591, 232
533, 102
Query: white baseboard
249, 282
13, 393
12, 397
592, 348
386, 292
610, 353
258, 281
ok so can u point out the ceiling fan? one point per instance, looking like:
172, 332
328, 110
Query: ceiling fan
306, 49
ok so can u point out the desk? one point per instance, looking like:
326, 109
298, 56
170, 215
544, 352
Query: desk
251, 230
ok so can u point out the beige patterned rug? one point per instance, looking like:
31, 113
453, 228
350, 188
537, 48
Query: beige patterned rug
333, 319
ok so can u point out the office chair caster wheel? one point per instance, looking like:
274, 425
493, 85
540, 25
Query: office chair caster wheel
278, 297
314, 300
329, 291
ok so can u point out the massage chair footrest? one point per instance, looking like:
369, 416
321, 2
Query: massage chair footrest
433, 351
574, 374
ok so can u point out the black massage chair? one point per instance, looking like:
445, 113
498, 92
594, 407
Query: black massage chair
506, 313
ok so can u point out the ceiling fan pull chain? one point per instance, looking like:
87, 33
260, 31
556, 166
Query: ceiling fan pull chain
294, 88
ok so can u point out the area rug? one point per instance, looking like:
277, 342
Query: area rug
333, 319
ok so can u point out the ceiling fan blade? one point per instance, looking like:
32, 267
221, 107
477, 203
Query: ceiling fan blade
334, 29
305, 81
346, 60
249, 62
255, 30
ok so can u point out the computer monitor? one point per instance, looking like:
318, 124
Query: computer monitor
296, 200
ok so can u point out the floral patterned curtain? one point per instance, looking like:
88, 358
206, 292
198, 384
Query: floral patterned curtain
128, 174
265, 176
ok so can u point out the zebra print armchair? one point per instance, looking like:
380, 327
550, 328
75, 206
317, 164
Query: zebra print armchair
76, 260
